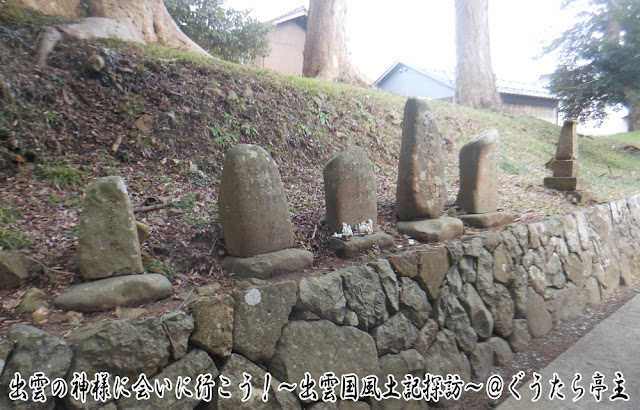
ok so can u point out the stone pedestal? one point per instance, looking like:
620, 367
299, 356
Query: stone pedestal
432, 230
565, 168
565, 183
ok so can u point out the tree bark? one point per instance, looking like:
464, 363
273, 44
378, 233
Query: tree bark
632, 102
325, 47
147, 20
475, 81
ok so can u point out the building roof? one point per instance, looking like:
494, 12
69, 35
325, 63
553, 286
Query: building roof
291, 15
449, 79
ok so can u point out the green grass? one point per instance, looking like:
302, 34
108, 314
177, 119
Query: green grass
631, 137
10, 237
62, 174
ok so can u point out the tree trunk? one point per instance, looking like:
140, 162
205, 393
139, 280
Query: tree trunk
632, 102
147, 20
475, 81
325, 47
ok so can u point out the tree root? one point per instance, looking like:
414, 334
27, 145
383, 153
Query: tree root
48, 40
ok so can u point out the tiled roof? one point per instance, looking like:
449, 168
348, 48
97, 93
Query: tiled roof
299, 12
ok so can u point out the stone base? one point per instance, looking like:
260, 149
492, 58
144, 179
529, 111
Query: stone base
353, 247
565, 168
118, 291
432, 230
268, 264
580, 197
565, 183
488, 220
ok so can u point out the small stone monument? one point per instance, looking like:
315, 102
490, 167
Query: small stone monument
350, 189
351, 203
108, 237
255, 216
565, 166
109, 251
253, 208
478, 192
421, 190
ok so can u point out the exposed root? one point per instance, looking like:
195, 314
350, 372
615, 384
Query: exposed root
48, 40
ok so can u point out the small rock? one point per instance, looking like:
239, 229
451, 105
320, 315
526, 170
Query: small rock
32, 300
74, 319
488, 220
143, 232
40, 316
538, 317
174, 212
14, 270
520, 336
95, 63
208, 289
130, 313
144, 123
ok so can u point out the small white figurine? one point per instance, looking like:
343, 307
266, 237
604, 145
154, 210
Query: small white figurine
365, 227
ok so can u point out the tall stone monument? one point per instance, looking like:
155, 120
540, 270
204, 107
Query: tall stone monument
253, 208
565, 167
478, 192
421, 190
421, 185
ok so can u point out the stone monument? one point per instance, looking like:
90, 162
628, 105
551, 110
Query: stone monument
478, 192
350, 198
565, 165
421, 190
255, 215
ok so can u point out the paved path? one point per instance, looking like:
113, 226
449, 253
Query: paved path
612, 346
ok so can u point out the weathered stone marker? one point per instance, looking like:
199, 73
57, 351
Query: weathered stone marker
253, 208
568, 143
478, 164
108, 237
421, 185
565, 167
350, 189
478, 193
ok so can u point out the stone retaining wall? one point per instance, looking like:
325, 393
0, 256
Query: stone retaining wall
458, 310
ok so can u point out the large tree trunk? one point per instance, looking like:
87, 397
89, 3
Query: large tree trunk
325, 47
146, 20
475, 81
632, 97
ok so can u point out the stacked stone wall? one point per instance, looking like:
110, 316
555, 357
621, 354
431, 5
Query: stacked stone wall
454, 310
